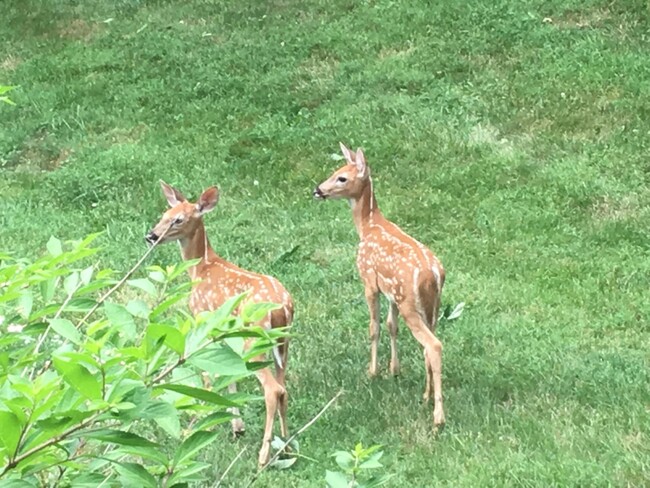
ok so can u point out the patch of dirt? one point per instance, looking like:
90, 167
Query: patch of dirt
610, 209
488, 135
128, 136
192, 22
318, 68
79, 30
314, 80
38, 153
10, 63
396, 52
580, 19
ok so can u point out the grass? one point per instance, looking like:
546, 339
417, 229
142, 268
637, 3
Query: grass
509, 136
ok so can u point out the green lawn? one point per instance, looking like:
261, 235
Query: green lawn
511, 137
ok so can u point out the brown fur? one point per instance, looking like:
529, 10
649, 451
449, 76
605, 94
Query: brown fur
394, 264
217, 281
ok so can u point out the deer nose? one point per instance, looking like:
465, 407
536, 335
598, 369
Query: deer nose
318, 193
151, 237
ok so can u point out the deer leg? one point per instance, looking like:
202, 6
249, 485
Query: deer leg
427, 370
391, 323
273, 392
280, 372
433, 359
433, 320
237, 424
372, 297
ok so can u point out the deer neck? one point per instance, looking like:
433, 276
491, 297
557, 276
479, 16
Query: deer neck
197, 246
364, 209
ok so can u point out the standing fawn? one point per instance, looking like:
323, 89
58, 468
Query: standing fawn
219, 280
398, 266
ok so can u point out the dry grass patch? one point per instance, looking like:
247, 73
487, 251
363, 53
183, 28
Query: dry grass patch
397, 52
128, 136
79, 30
615, 210
10, 63
587, 19
39, 153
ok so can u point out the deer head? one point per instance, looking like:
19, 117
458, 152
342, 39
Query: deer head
182, 219
349, 180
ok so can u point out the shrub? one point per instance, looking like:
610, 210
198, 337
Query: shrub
97, 391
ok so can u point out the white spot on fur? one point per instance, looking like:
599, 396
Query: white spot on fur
436, 273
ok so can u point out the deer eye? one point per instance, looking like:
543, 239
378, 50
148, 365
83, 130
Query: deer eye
341, 179
177, 220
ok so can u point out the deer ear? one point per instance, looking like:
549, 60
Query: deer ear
208, 200
173, 196
347, 154
360, 163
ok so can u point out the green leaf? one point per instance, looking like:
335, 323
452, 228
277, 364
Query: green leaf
117, 437
10, 431
79, 378
214, 419
165, 305
88, 480
219, 359
254, 312
54, 246
86, 275
283, 463
183, 477
334, 479
220, 315
344, 459
47, 288
71, 282
120, 318
67, 330
378, 480
138, 308
7, 88
157, 275
145, 285
200, 394
171, 425
79, 358
192, 445
174, 339
458, 311
80, 305
373, 461
365, 452
136, 475
25, 303
165, 415
15, 483
149, 453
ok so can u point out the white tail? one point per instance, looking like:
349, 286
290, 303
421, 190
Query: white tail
219, 280
394, 264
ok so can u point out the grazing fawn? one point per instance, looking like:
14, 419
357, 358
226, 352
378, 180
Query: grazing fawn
219, 280
398, 266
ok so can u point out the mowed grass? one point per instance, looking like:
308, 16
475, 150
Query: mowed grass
511, 137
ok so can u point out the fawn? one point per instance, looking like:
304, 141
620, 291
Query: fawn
394, 264
216, 281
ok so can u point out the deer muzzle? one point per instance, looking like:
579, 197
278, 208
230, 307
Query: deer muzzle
151, 238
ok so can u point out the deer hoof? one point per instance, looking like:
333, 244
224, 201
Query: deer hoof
394, 368
238, 428
265, 455
438, 418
